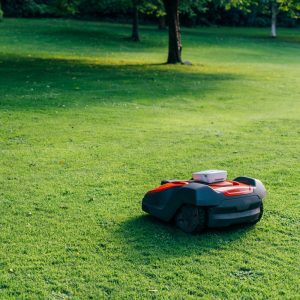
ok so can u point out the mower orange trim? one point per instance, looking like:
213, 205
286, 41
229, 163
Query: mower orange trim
232, 188
167, 186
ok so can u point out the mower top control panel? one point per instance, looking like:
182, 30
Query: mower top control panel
215, 179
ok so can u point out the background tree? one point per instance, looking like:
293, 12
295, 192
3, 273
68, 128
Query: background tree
291, 7
268, 7
175, 47
115, 8
172, 10
148, 8
1, 12
135, 36
155, 8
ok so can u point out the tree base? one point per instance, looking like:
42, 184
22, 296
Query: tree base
135, 38
186, 62
174, 62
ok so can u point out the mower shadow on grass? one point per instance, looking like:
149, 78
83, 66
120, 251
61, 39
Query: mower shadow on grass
148, 236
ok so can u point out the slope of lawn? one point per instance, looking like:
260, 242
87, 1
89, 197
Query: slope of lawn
89, 121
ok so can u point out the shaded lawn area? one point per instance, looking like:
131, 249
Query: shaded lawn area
90, 121
62, 82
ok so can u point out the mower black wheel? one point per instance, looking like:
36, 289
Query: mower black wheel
190, 218
260, 214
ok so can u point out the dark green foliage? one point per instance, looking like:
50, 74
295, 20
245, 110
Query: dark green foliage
200, 12
190, 9
40, 8
64, 7
104, 7
27, 8
286, 10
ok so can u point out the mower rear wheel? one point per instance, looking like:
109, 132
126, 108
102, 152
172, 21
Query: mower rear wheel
190, 218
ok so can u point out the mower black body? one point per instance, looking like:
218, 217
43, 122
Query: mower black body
240, 203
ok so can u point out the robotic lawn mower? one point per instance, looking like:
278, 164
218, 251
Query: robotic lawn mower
207, 200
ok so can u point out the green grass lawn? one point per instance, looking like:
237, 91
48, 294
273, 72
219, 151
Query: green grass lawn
89, 121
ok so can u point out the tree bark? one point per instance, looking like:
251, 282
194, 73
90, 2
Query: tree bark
273, 19
175, 47
1, 12
135, 24
162, 23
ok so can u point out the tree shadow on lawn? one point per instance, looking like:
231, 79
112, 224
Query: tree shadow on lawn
147, 236
33, 82
225, 36
104, 37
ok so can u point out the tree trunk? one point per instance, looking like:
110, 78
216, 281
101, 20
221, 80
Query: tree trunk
162, 23
1, 12
175, 47
135, 24
274, 19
